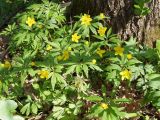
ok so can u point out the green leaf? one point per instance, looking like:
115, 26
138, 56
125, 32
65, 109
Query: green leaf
95, 67
53, 81
96, 110
155, 83
23, 78
72, 106
58, 112
60, 78
131, 42
78, 69
31, 72
70, 69
26, 109
47, 92
93, 30
131, 115
35, 86
98, 37
113, 67
133, 61
122, 100
86, 32
34, 108
109, 32
104, 117
94, 98
153, 76
85, 69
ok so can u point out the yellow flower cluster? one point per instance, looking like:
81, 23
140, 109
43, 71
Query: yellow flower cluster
30, 21
119, 50
102, 30
100, 52
75, 37
65, 55
43, 74
6, 64
126, 74
86, 19
104, 106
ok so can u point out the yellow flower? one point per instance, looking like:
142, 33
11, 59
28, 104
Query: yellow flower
129, 56
102, 16
104, 106
43, 74
33, 64
49, 47
65, 55
6, 64
119, 50
126, 74
94, 61
102, 31
86, 20
30, 21
100, 52
75, 37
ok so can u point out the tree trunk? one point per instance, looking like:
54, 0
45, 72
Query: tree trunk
123, 21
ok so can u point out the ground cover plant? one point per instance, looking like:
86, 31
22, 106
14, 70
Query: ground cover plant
55, 70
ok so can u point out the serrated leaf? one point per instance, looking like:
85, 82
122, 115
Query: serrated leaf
34, 108
26, 109
98, 37
133, 61
95, 67
53, 82
85, 69
70, 69
93, 30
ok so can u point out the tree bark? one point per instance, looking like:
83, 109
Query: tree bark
123, 21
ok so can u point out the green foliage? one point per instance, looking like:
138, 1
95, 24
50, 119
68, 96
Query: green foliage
54, 66
107, 108
140, 7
